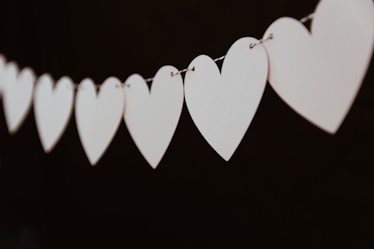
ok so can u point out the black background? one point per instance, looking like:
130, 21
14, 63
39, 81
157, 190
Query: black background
288, 184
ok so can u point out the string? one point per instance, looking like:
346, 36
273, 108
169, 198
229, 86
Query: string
252, 45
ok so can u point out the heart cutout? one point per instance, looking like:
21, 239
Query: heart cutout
17, 95
53, 106
222, 105
98, 116
319, 74
152, 116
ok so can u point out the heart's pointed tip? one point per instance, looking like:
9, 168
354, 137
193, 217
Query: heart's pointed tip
225, 155
12, 130
331, 131
47, 149
154, 166
153, 163
93, 161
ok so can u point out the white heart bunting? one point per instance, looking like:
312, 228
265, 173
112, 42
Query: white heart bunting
316, 73
152, 116
53, 106
319, 74
222, 105
98, 116
17, 95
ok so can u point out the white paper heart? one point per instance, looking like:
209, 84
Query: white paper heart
98, 116
152, 116
17, 95
53, 106
2, 66
319, 74
223, 105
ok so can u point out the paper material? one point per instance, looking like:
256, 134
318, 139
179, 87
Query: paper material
53, 106
319, 74
98, 116
222, 105
17, 95
151, 116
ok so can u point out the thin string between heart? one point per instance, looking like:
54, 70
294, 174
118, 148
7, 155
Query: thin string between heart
251, 46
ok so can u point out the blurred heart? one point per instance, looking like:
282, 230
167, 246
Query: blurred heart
98, 116
17, 95
53, 106
2, 66
319, 74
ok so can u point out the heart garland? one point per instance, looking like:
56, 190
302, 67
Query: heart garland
317, 73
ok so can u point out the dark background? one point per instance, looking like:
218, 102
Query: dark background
288, 184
